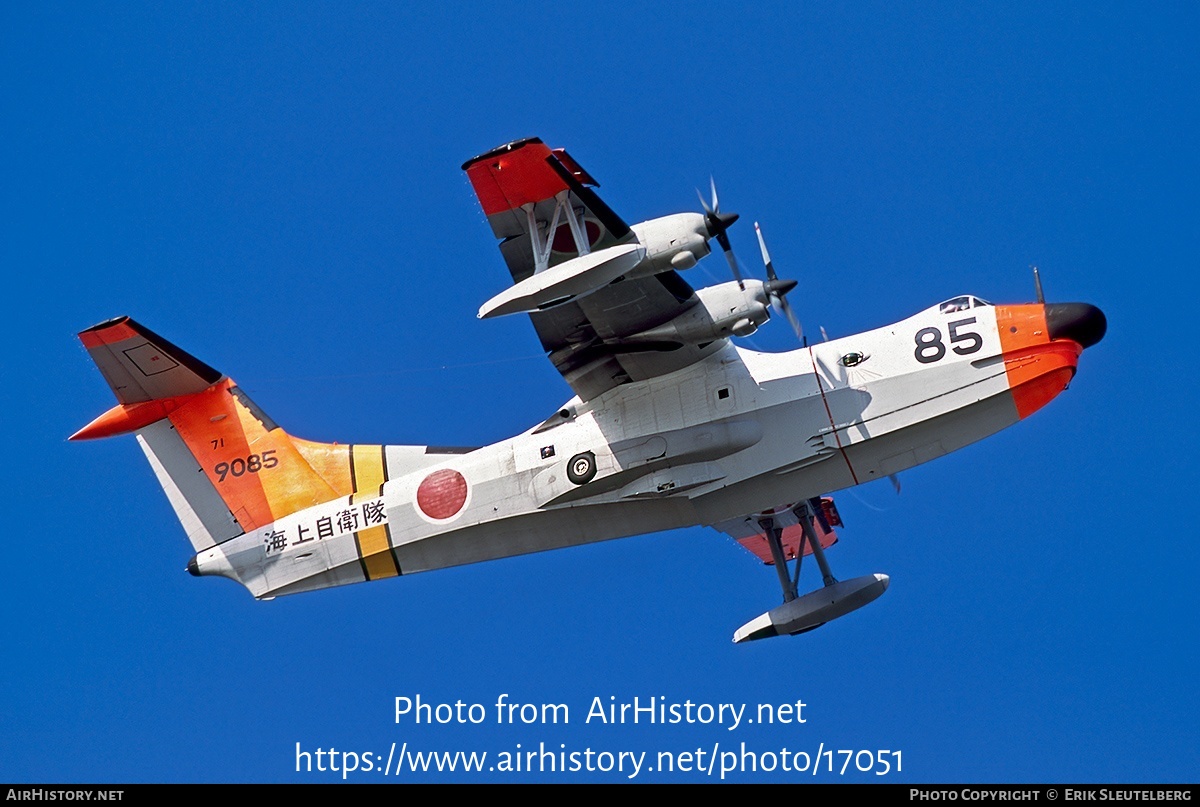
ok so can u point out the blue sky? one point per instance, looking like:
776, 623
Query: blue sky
276, 189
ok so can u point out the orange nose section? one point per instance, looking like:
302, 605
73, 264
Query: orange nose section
1038, 367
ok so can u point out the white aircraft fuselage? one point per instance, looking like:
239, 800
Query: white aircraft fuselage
738, 432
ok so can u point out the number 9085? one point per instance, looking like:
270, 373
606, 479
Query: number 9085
246, 465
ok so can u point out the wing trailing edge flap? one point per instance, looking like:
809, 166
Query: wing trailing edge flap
748, 532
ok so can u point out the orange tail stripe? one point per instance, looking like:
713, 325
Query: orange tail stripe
256, 470
211, 427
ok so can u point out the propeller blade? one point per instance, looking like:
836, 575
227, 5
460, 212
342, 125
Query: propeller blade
717, 223
791, 317
777, 289
723, 240
762, 245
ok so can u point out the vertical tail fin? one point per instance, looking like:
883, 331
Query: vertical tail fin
226, 467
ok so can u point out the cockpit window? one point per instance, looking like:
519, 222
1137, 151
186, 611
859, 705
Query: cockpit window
961, 304
957, 304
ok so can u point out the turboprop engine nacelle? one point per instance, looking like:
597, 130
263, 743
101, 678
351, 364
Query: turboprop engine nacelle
723, 310
672, 242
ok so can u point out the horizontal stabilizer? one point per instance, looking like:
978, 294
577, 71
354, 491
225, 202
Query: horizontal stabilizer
141, 366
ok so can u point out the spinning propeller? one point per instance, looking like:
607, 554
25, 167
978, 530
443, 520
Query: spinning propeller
718, 223
777, 289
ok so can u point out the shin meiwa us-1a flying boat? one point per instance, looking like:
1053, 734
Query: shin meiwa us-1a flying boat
672, 423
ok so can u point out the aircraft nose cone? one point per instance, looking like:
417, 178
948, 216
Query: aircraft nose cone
1079, 322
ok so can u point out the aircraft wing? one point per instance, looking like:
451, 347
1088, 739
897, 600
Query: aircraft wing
748, 532
540, 203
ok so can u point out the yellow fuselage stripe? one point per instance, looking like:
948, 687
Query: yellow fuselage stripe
376, 553
374, 546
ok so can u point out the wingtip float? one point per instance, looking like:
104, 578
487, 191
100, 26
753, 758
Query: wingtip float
672, 424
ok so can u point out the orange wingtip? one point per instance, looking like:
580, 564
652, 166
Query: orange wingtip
506, 180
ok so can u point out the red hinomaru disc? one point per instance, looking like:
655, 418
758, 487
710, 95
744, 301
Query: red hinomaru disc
442, 494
